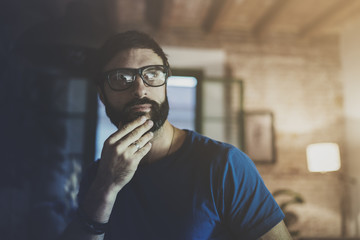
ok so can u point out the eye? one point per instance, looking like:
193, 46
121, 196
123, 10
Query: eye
120, 79
153, 74
124, 77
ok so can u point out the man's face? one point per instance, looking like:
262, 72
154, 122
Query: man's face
140, 99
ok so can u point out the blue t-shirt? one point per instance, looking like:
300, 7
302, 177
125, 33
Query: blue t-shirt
205, 190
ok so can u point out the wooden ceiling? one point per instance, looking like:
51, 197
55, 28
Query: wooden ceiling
179, 22
300, 18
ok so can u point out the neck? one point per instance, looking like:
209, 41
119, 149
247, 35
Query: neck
162, 143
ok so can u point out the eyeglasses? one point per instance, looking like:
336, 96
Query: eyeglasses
123, 78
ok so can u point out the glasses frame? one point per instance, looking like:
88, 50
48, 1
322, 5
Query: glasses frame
135, 72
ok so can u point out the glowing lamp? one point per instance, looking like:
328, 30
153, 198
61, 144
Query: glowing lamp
323, 157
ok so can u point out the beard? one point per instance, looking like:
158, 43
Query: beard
158, 113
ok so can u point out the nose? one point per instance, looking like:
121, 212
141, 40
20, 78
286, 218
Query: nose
139, 88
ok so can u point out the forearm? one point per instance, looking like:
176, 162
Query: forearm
96, 206
278, 232
99, 201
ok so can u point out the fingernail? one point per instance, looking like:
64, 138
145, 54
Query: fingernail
149, 122
143, 119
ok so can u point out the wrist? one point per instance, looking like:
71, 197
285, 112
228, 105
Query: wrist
109, 191
89, 225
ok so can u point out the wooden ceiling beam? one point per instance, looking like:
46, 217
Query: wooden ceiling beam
213, 15
341, 7
154, 12
267, 19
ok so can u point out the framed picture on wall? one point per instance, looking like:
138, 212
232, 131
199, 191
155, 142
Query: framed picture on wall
259, 136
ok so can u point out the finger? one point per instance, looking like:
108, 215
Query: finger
138, 144
142, 152
126, 129
136, 134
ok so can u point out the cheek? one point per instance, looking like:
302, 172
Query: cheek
160, 94
115, 99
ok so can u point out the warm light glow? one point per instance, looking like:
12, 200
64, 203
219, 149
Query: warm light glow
323, 157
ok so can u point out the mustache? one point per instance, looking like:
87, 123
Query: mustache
139, 102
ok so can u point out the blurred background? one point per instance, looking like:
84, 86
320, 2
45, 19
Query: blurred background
272, 77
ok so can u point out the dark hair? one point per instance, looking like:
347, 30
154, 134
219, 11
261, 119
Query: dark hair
127, 40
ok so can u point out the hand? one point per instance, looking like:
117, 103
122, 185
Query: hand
122, 152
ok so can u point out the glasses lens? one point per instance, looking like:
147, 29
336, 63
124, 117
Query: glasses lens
154, 75
120, 79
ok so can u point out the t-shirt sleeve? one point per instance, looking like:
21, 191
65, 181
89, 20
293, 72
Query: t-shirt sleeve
248, 207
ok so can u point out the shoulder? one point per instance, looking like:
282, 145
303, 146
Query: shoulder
199, 141
217, 152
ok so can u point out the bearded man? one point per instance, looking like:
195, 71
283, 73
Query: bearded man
155, 181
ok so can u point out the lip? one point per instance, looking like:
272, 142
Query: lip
141, 108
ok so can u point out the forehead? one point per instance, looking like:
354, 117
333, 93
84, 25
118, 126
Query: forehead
133, 58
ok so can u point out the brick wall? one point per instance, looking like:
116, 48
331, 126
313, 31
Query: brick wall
350, 57
299, 82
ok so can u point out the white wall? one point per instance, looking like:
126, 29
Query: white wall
212, 61
350, 59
